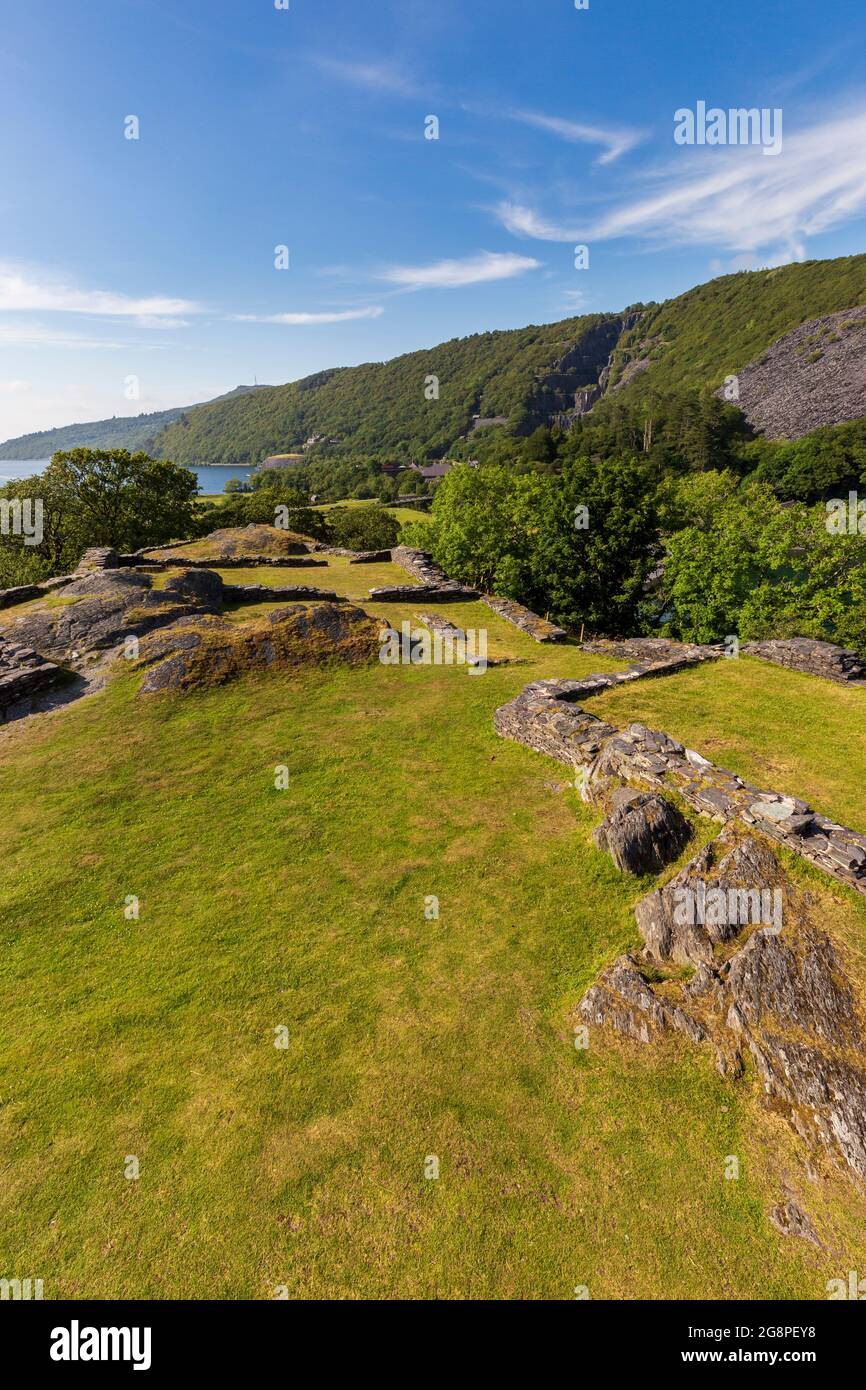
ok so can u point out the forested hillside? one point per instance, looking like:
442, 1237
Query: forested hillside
717, 328
383, 407
529, 375
132, 432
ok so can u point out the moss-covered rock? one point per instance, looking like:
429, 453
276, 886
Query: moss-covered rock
194, 655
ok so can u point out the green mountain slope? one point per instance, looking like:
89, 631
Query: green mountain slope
719, 327
383, 406
529, 375
120, 432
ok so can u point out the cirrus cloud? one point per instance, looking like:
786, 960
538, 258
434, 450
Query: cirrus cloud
304, 319
731, 198
481, 269
21, 292
615, 140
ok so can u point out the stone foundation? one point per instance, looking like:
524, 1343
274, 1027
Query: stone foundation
814, 658
539, 629
424, 593
23, 674
264, 593
546, 718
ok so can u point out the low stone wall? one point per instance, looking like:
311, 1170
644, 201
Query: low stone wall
420, 565
814, 658
535, 627
233, 562
371, 557
99, 557
424, 593
438, 588
23, 673
644, 651
265, 593
546, 718
23, 593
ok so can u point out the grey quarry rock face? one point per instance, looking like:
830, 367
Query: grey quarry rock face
643, 833
813, 376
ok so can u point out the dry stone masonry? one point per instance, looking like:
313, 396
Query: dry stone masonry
814, 658
432, 584
265, 593
538, 628
546, 717
23, 674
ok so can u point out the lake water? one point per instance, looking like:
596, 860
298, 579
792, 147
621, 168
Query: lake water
211, 479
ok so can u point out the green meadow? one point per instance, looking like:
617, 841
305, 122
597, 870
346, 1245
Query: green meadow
305, 917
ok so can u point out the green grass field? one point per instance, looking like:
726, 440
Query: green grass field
304, 1167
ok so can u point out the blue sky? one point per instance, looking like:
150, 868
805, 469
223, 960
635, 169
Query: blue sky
148, 264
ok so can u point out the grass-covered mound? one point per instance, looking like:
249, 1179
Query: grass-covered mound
197, 654
232, 542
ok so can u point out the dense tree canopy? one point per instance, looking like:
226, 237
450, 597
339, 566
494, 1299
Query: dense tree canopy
98, 497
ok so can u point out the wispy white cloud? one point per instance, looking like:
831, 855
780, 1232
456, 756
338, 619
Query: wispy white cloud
373, 76
732, 199
17, 334
301, 319
455, 274
21, 291
574, 300
615, 141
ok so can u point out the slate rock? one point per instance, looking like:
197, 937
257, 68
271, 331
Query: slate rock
643, 833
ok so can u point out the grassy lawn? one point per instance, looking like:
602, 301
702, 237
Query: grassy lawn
407, 1037
403, 514
781, 730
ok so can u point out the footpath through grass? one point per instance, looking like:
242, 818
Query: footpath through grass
408, 1038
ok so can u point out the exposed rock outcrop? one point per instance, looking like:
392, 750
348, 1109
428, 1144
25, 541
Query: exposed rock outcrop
100, 608
642, 833
781, 997
255, 542
193, 655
